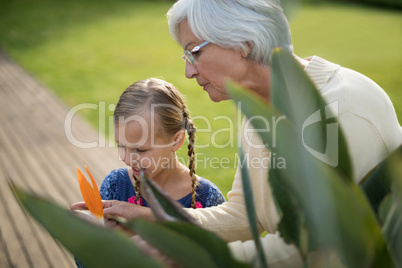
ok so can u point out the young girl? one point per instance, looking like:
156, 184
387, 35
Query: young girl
150, 122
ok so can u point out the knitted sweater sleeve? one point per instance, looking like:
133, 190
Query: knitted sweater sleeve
229, 220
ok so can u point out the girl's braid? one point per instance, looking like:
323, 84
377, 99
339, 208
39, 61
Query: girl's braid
137, 185
190, 128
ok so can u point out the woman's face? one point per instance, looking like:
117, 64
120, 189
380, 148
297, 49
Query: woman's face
213, 65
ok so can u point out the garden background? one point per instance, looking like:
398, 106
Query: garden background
89, 51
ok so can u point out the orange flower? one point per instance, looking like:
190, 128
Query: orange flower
90, 194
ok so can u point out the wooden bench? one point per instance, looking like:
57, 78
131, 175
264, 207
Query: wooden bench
37, 155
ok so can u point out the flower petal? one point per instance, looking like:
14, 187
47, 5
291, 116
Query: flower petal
90, 194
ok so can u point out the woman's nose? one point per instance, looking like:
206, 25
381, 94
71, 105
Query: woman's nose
191, 70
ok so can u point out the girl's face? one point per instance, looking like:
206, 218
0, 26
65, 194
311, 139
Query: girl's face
213, 65
141, 148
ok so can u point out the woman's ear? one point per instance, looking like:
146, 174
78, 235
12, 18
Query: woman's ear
245, 53
178, 140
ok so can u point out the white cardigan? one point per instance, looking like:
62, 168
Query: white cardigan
372, 131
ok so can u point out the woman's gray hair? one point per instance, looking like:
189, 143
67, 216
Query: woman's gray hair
235, 24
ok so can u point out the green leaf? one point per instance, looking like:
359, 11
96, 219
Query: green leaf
281, 137
92, 245
288, 209
385, 207
296, 96
361, 242
209, 241
258, 112
174, 245
377, 183
334, 212
392, 228
250, 208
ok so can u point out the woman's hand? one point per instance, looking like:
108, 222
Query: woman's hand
114, 208
128, 211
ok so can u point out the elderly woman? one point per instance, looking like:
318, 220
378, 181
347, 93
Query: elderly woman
232, 40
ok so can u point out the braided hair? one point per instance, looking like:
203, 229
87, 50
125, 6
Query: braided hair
171, 112
190, 128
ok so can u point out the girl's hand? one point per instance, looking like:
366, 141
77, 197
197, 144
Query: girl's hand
114, 208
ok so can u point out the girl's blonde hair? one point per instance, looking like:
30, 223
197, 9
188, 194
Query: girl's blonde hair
171, 114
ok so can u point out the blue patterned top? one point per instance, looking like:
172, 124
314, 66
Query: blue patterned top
117, 186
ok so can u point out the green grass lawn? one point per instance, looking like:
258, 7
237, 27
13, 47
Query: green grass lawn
90, 51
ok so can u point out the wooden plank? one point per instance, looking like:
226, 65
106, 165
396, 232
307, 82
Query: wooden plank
12, 217
31, 236
99, 157
9, 238
38, 256
36, 153
4, 254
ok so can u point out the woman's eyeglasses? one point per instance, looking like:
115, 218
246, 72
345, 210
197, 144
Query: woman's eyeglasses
188, 54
